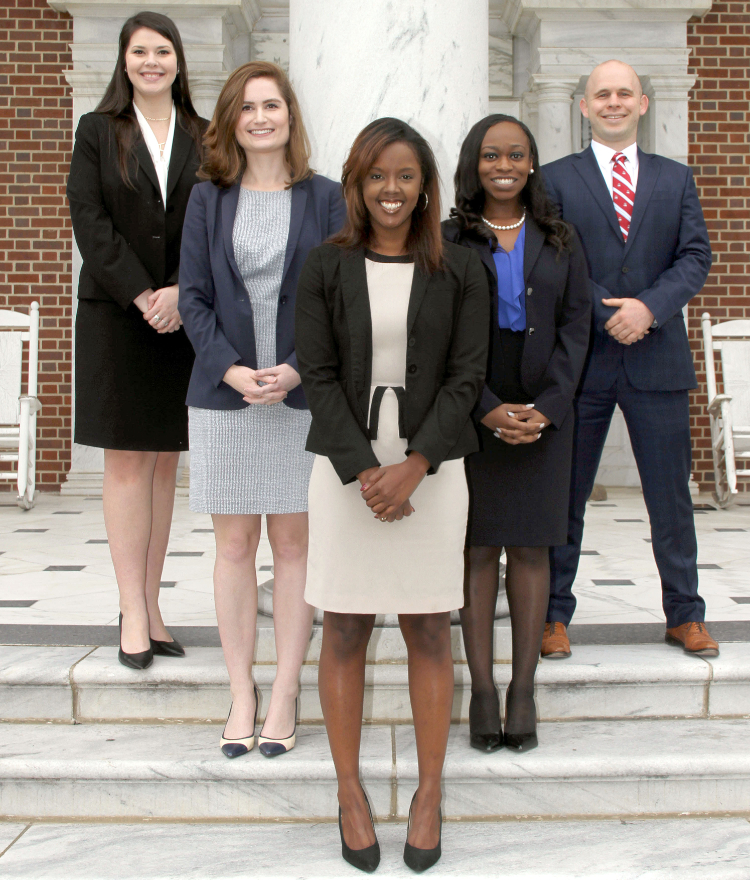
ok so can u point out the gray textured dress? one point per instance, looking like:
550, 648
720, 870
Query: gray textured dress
253, 460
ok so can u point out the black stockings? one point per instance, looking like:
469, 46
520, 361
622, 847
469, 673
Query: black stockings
527, 587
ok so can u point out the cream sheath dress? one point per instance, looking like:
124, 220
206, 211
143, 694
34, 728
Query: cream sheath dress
356, 563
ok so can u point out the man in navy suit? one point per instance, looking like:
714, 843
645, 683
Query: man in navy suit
648, 252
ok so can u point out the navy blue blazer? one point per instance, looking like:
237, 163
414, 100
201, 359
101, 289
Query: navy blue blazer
214, 303
664, 263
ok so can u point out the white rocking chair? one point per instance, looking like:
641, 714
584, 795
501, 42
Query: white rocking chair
17, 410
729, 413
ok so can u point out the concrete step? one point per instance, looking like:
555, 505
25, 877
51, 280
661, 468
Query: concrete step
598, 681
176, 771
658, 849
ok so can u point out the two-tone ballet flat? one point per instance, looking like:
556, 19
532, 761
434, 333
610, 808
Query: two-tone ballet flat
234, 748
271, 748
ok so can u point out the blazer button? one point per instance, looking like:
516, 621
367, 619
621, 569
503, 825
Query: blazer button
529, 291
412, 341
282, 300
412, 368
625, 270
531, 330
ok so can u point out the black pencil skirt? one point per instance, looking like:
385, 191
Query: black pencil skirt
518, 494
130, 382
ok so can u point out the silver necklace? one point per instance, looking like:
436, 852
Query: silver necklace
505, 228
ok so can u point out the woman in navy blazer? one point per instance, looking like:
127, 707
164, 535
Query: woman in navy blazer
248, 229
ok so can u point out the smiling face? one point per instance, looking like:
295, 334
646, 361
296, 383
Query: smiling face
263, 126
613, 104
391, 189
504, 165
150, 63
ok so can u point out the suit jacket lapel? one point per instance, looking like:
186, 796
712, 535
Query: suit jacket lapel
532, 246
358, 317
229, 199
648, 171
588, 168
145, 162
418, 289
299, 200
485, 252
181, 144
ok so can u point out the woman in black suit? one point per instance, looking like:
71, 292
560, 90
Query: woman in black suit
391, 341
134, 163
519, 480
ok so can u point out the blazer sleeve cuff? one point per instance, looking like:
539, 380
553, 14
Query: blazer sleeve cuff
221, 362
487, 402
348, 467
553, 406
292, 361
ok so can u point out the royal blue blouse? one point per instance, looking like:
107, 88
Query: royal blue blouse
511, 302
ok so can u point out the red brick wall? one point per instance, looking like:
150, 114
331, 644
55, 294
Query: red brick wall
719, 116
35, 233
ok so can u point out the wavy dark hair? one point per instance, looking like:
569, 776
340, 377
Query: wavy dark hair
424, 241
117, 102
470, 193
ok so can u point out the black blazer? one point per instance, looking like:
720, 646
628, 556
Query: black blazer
447, 354
128, 242
558, 313
214, 303
664, 263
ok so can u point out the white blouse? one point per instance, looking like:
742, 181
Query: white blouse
161, 160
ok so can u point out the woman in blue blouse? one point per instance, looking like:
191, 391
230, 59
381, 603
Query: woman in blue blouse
519, 479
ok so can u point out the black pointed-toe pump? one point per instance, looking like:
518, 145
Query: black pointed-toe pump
366, 859
417, 859
167, 649
141, 660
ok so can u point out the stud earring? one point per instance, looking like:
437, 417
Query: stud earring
531, 171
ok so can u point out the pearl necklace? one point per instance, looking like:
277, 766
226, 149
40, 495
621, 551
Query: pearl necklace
505, 228
158, 118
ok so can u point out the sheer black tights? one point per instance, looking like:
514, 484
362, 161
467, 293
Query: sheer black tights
527, 587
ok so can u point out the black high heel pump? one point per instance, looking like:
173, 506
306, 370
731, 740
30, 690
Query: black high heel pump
484, 742
520, 742
141, 660
417, 859
366, 859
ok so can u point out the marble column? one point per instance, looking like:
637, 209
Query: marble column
352, 61
554, 98
668, 110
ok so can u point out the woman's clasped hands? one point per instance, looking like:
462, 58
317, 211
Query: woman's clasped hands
516, 423
387, 490
270, 385
159, 308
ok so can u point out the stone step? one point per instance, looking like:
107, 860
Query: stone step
660, 849
598, 681
581, 769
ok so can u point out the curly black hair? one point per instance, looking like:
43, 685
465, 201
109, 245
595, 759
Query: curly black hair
470, 193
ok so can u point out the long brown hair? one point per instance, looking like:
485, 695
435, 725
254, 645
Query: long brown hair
117, 102
424, 241
225, 160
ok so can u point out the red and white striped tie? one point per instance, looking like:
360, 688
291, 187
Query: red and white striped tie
622, 193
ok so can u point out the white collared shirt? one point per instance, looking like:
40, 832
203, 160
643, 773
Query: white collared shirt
161, 160
604, 155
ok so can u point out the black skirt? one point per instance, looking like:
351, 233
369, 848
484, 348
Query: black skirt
518, 494
131, 383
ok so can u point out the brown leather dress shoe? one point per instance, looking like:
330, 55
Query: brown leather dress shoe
555, 642
693, 638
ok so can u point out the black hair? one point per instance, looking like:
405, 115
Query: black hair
117, 101
470, 194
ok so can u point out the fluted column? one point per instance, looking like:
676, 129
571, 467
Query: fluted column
554, 99
352, 61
